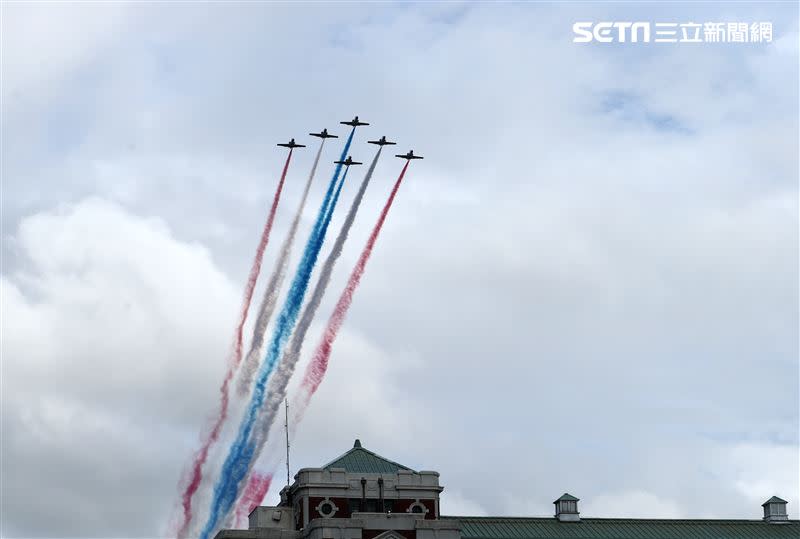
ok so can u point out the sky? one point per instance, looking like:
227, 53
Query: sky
589, 285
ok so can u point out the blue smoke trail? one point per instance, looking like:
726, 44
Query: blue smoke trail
240, 455
329, 214
257, 436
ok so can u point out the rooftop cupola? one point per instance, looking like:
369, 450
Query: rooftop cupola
567, 508
775, 510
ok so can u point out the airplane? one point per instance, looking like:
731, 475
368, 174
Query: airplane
323, 134
349, 161
381, 142
292, 144
410, 155
354, 122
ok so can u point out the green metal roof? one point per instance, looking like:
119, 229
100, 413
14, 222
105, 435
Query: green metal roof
360, 460
622, 528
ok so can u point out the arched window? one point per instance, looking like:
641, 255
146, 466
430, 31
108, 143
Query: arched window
417, 508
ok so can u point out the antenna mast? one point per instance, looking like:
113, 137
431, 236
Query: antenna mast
286, 424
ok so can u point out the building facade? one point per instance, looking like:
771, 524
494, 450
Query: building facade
362, 495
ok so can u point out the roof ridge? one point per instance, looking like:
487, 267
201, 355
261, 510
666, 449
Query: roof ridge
625, 519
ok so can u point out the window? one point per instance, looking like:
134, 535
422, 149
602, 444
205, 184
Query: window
326, 508
388, 505
354, 505
371, 506
418, 508
569, 506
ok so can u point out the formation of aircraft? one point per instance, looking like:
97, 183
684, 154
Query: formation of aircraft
355, 122
349, 161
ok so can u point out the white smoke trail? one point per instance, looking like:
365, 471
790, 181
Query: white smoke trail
268, 302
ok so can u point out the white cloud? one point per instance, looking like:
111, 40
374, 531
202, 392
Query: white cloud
453, 502
631, 504
111, 345
47, 41
759, 471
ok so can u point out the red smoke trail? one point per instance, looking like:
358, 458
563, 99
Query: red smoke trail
196, 475
252, 497
319, 364
255, 270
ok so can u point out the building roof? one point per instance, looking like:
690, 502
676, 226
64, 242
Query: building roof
774, 499
360, 460
567, 497
622, 528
